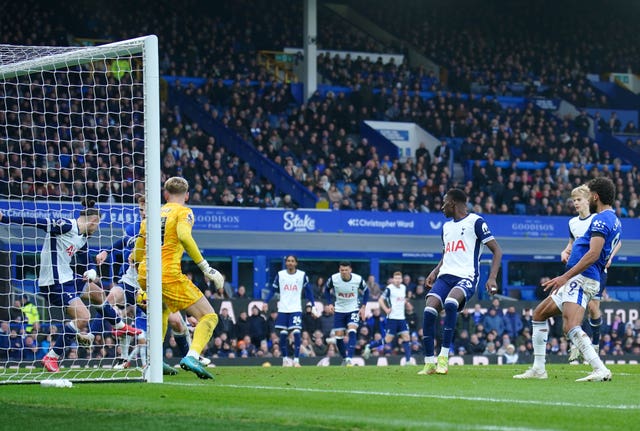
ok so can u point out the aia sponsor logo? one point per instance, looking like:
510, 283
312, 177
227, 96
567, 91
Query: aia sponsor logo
453, 246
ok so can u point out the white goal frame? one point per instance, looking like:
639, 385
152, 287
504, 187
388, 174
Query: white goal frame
147, 46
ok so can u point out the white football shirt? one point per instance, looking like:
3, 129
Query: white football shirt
346, 292
578, 226
290, 287
396, 298
62, 242
463, 243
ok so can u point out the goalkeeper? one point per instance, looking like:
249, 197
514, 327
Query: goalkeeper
178, 291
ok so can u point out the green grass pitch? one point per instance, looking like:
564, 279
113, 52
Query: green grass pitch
336, 398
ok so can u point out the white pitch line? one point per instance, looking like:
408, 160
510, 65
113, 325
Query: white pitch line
429, 396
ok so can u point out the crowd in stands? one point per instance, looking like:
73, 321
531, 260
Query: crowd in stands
499, 44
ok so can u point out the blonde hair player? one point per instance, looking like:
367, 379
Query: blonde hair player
178, 291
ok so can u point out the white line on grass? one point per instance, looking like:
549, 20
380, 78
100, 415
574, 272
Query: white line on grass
376, 423
434, 396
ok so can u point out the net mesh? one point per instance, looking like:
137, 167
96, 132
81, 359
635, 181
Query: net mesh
71, 131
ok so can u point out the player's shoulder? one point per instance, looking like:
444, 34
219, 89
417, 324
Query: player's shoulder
609, 216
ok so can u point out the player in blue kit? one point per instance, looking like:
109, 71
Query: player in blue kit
289, 284
454, 280
392, 301
351, 296
571, 292
578, 225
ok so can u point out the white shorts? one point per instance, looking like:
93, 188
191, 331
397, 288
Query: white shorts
579, 290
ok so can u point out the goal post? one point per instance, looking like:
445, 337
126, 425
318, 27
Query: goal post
78, 123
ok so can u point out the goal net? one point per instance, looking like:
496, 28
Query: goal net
78, 125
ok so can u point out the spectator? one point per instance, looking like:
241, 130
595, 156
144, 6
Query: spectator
465, 322
510, 355
493, 322
257, 325
242, 292
225, 325
512, 323
242, 326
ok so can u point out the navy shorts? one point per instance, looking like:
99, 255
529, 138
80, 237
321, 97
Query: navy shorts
342, 320
289, 320
61, 295
396, 327
446, 283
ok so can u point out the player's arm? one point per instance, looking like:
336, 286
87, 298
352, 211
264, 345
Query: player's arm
496, 260
116, 250
590, 257
45, 224
139, 250
615, 251
328, 294
190, 246
484, 234
84, 266
270, 292
431, 278
364, 298
384, 301
308, 290
566, 252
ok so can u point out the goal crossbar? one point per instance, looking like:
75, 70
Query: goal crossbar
66, 57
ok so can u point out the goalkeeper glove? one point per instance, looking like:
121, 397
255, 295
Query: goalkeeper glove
212, 274
141, 299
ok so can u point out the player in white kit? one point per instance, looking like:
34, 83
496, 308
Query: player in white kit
454, 280
351, 296
289, 284
392, 301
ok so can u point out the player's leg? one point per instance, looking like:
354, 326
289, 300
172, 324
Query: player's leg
207, 318
352, 338
66, 297
546, 309
180, 332
339, 326
431, 310
294, 326
406, 345
460, 293
116, 296
97, 296
573, 308
281, 327
595, 322
167, 369
297, 341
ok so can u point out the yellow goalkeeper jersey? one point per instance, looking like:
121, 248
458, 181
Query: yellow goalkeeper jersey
177, 222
